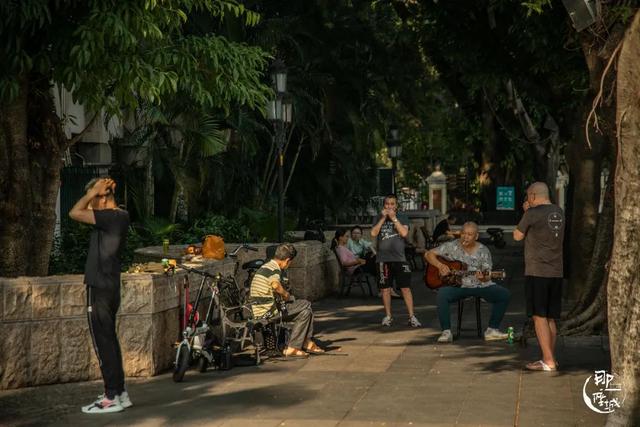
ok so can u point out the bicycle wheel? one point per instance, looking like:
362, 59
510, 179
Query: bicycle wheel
182, 363
203, 363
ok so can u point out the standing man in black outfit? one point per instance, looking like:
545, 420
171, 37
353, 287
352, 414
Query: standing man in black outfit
102, 278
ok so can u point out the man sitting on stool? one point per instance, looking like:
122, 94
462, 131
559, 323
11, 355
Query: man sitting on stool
265, 284
477, 258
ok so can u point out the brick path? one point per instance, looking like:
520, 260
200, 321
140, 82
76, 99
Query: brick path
386, 377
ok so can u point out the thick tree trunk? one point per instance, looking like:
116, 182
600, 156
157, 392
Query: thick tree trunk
31, 141
584, 174
623, 287
14, 203
595, 277
585, 162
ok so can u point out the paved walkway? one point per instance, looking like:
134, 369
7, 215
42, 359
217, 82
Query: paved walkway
387, 377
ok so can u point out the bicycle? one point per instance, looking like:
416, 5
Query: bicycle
193, 346
226, 310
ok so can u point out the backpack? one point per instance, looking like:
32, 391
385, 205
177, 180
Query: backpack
213, 247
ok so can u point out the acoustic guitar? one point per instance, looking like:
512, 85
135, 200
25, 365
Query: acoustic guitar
434, 280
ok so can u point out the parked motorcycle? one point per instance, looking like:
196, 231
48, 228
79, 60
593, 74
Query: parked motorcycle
496, 237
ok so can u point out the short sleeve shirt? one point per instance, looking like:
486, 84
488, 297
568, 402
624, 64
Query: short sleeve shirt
102, 269
390, 244
480, 260
543, 227
261, 292
358, 248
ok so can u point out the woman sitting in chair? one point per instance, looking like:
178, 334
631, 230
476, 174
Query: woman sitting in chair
347, 259
352, 263
360, 247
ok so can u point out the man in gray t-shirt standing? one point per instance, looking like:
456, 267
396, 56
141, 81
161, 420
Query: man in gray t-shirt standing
542, 228
390, 230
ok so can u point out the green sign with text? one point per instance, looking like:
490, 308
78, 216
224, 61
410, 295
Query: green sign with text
505, 198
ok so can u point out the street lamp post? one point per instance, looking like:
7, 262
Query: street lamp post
280, 113
395, 151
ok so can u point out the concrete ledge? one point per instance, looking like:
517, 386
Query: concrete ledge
313, 273
44, 334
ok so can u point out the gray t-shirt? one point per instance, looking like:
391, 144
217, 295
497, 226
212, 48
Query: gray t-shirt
479, 260
390, 243
543, 227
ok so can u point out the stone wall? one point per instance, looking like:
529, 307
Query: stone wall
44, 336
313, 273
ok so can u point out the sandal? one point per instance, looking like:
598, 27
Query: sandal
539, 366
295, 353
314, 350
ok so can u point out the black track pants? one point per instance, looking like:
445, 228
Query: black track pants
102, 306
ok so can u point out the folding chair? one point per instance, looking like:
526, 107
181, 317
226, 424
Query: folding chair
348, 280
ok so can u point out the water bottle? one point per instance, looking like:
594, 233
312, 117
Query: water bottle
510, 335
226, 361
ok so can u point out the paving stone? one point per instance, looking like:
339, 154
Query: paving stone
389, 377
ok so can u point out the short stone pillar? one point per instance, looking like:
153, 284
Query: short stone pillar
438, 190
562, 180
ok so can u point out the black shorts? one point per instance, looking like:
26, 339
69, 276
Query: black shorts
390, 272
544, 296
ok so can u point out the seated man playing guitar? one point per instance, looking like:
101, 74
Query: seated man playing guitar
472, 277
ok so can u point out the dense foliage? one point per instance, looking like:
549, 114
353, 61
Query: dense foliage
116, 57
497, 98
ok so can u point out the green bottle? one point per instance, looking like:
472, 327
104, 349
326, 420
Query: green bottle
510, 335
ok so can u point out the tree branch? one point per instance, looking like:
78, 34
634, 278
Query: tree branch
598, 98
76, 138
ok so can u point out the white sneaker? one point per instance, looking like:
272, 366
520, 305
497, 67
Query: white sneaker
414, 322
495, 335
387, 321
446, 336
124, 400
103, 406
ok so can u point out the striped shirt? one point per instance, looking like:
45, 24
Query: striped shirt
261, 289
